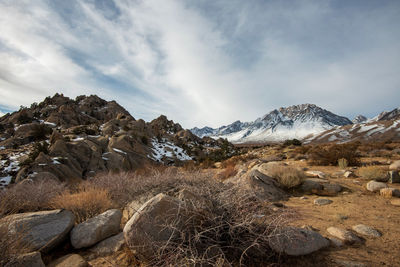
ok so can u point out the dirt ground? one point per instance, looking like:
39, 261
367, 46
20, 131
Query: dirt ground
354, 206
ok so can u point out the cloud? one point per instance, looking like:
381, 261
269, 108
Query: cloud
203, 62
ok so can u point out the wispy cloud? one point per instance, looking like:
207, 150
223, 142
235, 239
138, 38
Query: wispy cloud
203, 62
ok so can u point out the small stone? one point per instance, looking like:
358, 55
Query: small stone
366, 230
395, 165
303, 197
395, 202
394, 177
70, 260
347, 236
322, 201
375, 186
330, 190
390, 192
318, 174
336, 242
349, 174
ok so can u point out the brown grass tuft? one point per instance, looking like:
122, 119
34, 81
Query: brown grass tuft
373, 173
287, 176
85, 203
330, 154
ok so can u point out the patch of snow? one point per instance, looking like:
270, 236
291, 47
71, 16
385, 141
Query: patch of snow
55, 160
169, 150
50, 124
365, 128
6, 180
119, 151
332, 138
2, 147
78, 139
42, 164
2, 138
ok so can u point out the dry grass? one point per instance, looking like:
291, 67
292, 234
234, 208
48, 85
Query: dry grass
325, 155
85, 203
229, 171
373, 173
29, 196
287, 176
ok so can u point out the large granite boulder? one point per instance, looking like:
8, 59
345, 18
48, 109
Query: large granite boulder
96, 229
146, 230
40, 231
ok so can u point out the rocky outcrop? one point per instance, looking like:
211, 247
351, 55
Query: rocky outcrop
264, 187
108, 246
40, 231
96, 229
345, 235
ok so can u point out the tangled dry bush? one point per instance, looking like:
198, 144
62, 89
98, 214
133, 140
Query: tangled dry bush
235, 230
373, 173
287, 176
29, 196
330, 154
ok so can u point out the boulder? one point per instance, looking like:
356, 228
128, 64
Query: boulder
146, 229
33, 259
389, 192
347, 236
109, 245
394, 177
132, 207
297, 241
96, 229
322, 201
310, 186
42, 230
330, 190
266, 168
395, 165
70, 260
375, 186
193, 200
336, 242
265, 188
366, 230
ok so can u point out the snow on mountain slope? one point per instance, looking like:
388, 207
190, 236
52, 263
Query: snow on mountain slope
286, 123
374, 130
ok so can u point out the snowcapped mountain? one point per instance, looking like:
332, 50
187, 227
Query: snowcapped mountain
280, 124
359, 119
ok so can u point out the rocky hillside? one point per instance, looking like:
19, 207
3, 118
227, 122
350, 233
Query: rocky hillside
66, 139
280, 124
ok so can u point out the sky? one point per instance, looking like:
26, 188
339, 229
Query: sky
203, 62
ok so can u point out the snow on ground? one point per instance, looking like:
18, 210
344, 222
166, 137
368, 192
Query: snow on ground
119, 151
365, 128
50, 124
104, 156
167, 149
5, 180
78, 139
377, 129
2, 148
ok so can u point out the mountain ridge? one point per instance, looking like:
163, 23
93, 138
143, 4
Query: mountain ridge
296, 121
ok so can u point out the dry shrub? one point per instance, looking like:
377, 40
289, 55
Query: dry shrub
29, 196
86, 202
234, 231
229, 171
330, 154
287, 176
125, 187
373, 173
